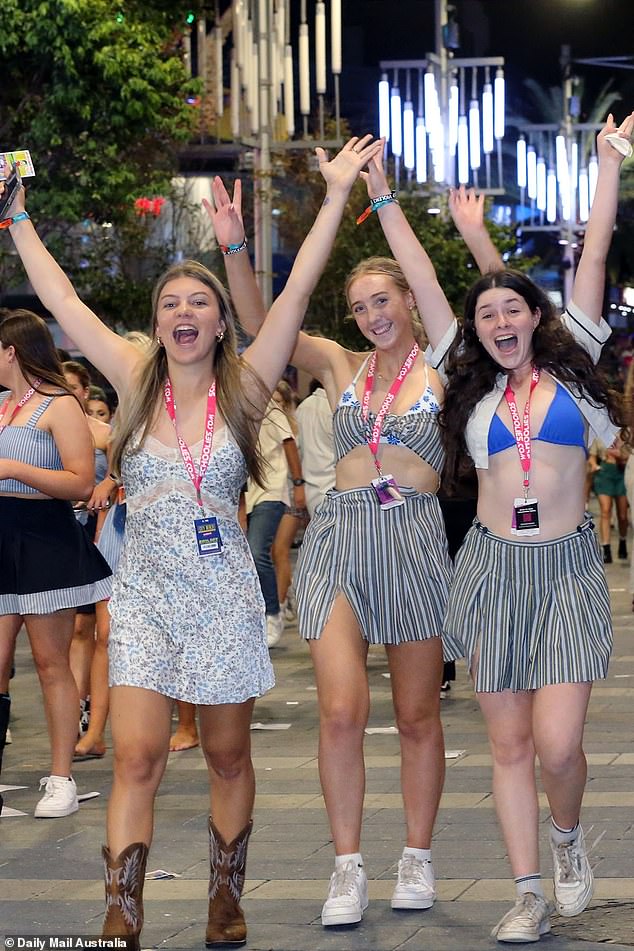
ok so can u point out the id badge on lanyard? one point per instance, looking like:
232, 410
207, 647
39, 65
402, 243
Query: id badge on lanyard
385, 487
206, 529
525, 516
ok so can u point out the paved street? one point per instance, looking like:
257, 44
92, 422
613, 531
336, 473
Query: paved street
50, 869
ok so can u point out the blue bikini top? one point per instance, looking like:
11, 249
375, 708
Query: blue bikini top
563, 426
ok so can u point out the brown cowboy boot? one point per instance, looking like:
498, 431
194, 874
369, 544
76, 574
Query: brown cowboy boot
226, 925
124, 877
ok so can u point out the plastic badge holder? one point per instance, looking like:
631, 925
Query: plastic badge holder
624, 146
11, 187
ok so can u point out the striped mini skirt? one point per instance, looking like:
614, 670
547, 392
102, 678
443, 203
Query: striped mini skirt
391, 565
528, 615
47, 561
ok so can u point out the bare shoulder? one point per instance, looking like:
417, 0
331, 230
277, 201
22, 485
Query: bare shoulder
100, 431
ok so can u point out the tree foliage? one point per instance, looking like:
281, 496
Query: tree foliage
98, 92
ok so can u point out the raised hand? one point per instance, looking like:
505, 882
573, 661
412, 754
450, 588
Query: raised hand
225, 213
609, 152
343, 170
17, 205
466, 209
375, 177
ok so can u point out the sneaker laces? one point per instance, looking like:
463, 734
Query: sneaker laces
44, 781
569, 856
343, 882
411, 871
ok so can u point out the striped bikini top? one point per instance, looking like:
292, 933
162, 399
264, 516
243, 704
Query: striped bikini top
35, 447
417, 429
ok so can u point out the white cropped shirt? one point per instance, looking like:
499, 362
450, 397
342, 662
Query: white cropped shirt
591, 336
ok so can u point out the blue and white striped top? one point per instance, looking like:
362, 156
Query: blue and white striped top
35, 447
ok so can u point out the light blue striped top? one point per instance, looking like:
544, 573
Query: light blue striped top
35, 447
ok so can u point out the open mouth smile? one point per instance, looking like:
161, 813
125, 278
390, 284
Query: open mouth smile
185, 333
507, 343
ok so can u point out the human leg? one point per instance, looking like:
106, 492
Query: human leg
186, 734
416, 671
605, 508
339, 659
81, 650
140, 721
50, 636
92, 744
281, 553
508, 718
262, 526
509, 726
559, 712
621, 514
225, 731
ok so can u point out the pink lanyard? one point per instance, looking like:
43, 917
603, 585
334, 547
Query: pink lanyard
522, 428
170, 406
16, 409
375, 436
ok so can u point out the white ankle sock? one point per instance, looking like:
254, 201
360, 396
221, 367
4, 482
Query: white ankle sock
559, 835
423, 855
529, 883
351, 857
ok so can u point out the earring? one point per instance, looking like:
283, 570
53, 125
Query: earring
159, 341
220, 335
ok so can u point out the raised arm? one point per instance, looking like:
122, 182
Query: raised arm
114, 356
467, 211
225, 214
433, 307
589, 284
272, 348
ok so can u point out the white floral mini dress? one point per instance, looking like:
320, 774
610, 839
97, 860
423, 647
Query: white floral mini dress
186, 626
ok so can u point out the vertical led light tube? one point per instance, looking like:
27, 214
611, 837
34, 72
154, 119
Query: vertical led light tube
384, 108
396, 122
439, 154
454, 101
521, 162
220, 104
320, 48
551, 196
531, 172
498, 104
431, 107
541, 184
563, 176
421, 151
574, 179
335, 36
409, 160
487, 118
463, 151
584, 198
289, 91
474, 134
304, 70
235, 95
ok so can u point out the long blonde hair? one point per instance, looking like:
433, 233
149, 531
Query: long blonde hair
241, 414
389, 268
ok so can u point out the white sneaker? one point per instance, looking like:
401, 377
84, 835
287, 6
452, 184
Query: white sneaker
572, 876
527, 920
415, 885
274, 629
8, 739
347, 895
59, 799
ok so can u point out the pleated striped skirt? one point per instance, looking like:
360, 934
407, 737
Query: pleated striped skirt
391, 565
528, 615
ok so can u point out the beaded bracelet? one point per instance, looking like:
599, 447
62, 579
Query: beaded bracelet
20, 216
376, 203
233, 248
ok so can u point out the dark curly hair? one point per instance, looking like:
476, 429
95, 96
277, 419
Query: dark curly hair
472, 371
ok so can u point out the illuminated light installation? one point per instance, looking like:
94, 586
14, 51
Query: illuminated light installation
462, 113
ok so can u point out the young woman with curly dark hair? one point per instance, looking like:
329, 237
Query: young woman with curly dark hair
529, 605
